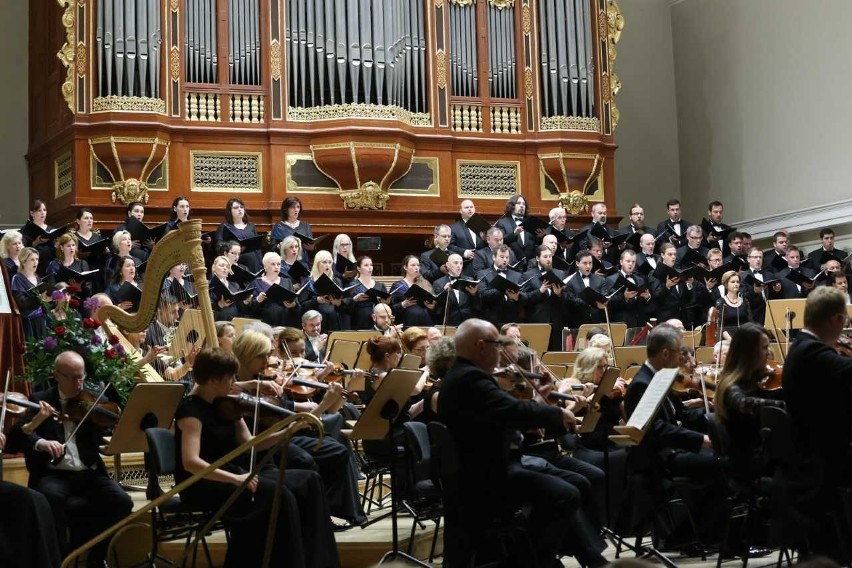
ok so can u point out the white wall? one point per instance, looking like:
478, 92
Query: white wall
762, 105
646, 163
14, 184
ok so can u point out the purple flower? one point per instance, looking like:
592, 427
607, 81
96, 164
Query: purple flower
91, 304
96, 339
50, 343
57, 295
120, 349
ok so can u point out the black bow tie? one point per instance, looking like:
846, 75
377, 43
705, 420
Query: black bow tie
518, 219
502, 273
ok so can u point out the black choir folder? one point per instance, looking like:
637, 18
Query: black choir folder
33, 231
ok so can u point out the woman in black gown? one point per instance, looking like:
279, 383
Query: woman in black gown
303, 535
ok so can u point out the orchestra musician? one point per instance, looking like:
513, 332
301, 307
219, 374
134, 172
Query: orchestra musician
303, 535
480, 416
63, 461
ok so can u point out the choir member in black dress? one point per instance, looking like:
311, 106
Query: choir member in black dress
28, 300
44, 246
125, 272
303, 536
139, 250
290, 223
363, 304
739, 396
291, 252
10, 248
223, 308
274, 313
336, 310
343, 246
179, 213
410, 311
238, 223
67, 256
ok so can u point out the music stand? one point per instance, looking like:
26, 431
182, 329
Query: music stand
376, 423
590, 420
776, 314
150, 405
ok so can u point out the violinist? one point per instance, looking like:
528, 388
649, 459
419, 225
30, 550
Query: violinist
315, 339
740, 396
415, 341
589, 369
332, 458
303, 534
225, 334
481, 418
62, 466
27, 533
382, 318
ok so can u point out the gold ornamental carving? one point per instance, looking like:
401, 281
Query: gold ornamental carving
174, 5
526, 20
368, 196
463, 2
439, 3
359, 110
615, 24
174, 63
574, 202
275, 60
502, 4
441, 62
591, 124
528, 83
115, 103
67, 53
130, 190
80, 63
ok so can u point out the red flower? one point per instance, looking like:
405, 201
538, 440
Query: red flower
124, 360
113, 340
74, 303
110, 353
72, 289
96, 323
88, 323
59, 330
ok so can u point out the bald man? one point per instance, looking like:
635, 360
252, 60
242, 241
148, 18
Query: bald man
482, 418
463, 240
62, 467
383, 319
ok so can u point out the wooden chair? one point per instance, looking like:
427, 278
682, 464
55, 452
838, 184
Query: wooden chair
619, 332
559, 357
704, 355
626, 356
630, 372
537, 335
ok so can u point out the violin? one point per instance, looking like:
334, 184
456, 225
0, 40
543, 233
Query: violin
17, 403
236, 406
843, 345
773, 372
301, 387
103, 413
511, 380
686, 382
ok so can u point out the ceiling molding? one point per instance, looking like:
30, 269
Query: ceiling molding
808, 219
676, 2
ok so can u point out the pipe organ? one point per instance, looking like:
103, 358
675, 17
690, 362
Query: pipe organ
379, 114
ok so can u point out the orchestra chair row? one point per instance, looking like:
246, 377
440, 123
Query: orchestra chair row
619, 332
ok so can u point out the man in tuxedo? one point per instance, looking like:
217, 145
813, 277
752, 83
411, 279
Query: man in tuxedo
460, 304
315, 340
481, 419
463, 240
694, 238
715, 212
774, 259
737, 252
706, 291
521, 241
545, 301
757, 293
789, 288
630, 307
672, 296
816, 383
499, 307
675, 224
599, 213
646, 254
582, 312
64, 467
826, 235
382, 317
484, 258
430, 269
636, 224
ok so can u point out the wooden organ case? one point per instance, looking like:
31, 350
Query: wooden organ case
380, 115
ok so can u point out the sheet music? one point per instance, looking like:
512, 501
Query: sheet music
654, 395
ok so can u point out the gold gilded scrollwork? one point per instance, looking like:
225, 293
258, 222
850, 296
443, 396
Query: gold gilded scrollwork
463, 2
502, 4
67, 53
368, 196
528, 83
574, 202
80, 63
275, 59
526, 21
614, 26
174, 63
130, 190
441, 62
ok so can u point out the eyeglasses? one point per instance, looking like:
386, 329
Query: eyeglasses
495, 342
81, 377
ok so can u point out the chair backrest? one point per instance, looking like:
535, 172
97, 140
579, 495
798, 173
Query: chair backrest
776, 429
445, 459
718, 436
704, 355
419, 449
619, 332
630, 372
161, 451
536, 334
559, 357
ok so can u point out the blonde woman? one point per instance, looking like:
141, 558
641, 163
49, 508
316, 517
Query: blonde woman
291, 252
336, 309
343, 246
10, 249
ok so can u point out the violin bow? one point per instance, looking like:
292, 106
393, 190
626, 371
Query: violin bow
700, 378
3, 415
86, 415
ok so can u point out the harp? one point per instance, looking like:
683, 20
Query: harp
179, 246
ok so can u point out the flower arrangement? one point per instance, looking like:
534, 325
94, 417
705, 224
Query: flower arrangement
105, 357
